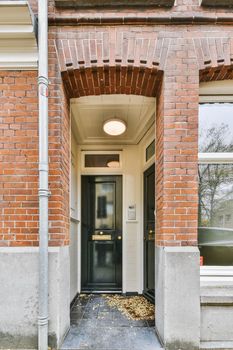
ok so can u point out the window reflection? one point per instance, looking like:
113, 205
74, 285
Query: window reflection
104, 206
102, 161
216, 127
216, 213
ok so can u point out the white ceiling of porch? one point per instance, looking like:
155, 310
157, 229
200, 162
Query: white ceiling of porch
90, 112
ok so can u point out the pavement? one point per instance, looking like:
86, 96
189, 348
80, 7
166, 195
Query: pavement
97, 326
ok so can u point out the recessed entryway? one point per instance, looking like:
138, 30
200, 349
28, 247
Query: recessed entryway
113, 179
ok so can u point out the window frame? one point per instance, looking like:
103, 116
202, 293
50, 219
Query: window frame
101, 170
215, 273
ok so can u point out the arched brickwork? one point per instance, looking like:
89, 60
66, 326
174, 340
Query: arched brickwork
215, 58
216, 73
132, 62
112, 80
113, 62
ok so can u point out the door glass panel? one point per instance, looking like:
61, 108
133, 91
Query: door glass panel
102, 262
104, 206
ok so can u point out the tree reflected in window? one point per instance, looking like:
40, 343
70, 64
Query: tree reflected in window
216, 128
215, 216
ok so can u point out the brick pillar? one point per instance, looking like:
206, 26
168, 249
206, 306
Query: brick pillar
177, 268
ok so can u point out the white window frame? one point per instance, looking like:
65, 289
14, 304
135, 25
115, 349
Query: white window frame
216, 273
100, 170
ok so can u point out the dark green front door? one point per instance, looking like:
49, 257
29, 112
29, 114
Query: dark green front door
101, 233
149, 233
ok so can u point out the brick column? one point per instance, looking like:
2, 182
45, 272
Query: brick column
177, 267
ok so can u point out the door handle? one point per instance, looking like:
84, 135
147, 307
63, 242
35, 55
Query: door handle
119, 237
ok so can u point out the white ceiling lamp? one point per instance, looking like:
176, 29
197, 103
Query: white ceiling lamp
114, 127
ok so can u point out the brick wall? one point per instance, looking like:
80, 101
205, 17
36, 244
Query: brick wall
18, 159
111, 59
59, 151
177, 147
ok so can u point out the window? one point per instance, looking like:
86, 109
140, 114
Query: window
102, 161
215, 233
150, 151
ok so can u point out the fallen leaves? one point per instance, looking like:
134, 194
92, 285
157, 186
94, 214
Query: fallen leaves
134, 308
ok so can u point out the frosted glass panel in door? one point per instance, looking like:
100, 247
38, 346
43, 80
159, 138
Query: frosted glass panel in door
104, 206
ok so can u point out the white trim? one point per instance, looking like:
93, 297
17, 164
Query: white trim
18, 44
19, 65
215, 98
216, 91
215, 158
216, 271
14, 3
103, 170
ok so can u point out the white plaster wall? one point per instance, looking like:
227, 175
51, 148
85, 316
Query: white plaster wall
73, 249
131, 229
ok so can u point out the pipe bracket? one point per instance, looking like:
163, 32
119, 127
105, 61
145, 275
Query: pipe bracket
43, 84
44, 192
43, 321
43, 80
43, 167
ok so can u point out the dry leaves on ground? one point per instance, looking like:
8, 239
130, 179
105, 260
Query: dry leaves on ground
134, 308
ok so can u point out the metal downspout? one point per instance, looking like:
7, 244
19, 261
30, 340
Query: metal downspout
43, 174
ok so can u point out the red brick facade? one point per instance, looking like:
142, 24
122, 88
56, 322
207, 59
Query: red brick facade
19, 161
149, 53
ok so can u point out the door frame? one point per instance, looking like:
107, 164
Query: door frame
94, 172
148, 168
118, 180
80, 171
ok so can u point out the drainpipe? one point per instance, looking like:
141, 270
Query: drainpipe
43, 174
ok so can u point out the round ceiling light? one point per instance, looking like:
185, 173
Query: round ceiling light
114, 127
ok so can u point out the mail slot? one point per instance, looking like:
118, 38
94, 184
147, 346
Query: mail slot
101, 237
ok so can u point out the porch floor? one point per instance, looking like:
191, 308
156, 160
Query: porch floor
96, 325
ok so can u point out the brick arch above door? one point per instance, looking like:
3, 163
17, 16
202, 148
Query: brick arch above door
123, 61
112, 80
